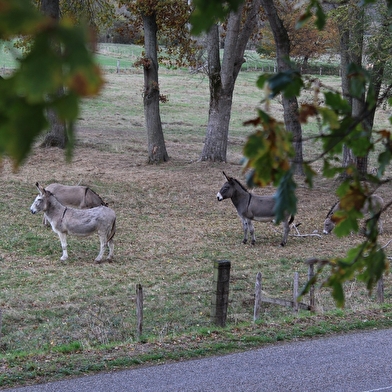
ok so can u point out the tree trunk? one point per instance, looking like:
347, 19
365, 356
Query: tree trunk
215, 146
290, 105
57, 134
222, 77
156, 143
359, 104
344, 31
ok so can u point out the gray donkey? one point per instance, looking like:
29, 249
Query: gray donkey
66, 220
77, 196
251, 207
373, 205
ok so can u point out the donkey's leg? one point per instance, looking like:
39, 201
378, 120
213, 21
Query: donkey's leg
245, 227
286, 230
252, 231
45, 221
111, 250
380, 227
63, 240
102, 240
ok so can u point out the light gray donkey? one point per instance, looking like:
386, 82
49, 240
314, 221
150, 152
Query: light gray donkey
251, 207
66, 220
77, 196
373, 205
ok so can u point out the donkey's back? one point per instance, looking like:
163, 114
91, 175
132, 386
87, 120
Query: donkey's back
77, 196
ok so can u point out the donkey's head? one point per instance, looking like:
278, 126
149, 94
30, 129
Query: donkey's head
328, 225
228, 188
40, 202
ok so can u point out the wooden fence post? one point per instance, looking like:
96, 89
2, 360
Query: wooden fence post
258, 287
139, 309
220, 295
380, 290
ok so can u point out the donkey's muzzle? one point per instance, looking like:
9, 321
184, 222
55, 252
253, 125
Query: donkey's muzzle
219, 196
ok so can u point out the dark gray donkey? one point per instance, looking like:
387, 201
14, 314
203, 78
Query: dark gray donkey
372, 206
66, 220
251, 207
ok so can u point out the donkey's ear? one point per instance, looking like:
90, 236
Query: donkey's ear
40, 188
227, 178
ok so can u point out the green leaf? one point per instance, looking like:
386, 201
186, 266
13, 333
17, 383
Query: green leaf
348, 222
285, 198
58, 57
315, 7
19, 127
358, 80
384, 160
330, 118
289, 83
208, 12
337, 103
66, 106
337, 292
330, 171
18, 17
376, 264
360, 142
262, 80
309, 174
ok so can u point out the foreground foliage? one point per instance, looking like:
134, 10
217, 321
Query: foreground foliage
31, 90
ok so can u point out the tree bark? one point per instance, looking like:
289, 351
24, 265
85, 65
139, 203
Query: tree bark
155, 140
358, 104
290, 105
222, 77
344, 62
57, 134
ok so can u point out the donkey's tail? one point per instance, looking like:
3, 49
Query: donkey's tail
113, 231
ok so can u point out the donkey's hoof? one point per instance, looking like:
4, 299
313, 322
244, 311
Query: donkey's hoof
282, 244
244, 241
109, 260
253, 242
98, 261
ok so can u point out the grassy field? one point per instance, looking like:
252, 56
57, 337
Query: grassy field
70, 318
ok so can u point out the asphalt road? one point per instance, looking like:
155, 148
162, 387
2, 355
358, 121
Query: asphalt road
355, 362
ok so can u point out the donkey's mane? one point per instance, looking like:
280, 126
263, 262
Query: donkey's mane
330, 211
241, 185
95, 193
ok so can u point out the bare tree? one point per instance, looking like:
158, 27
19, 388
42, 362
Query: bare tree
57, 134
223, 75
290, 105
156, 143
